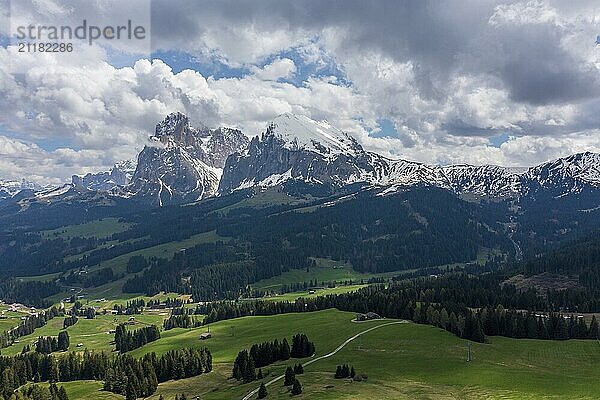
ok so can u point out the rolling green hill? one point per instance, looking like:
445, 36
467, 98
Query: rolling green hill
405, 361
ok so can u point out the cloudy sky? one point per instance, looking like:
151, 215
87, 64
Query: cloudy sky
509, 83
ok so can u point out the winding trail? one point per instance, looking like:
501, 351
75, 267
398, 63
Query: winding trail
314, 360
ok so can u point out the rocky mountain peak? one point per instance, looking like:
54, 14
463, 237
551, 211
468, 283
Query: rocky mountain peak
183, 163
175, 130
299, 132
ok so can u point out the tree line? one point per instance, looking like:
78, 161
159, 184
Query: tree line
28, 325
32, 293
121, 373
70, 321
265, 353
462, 304
132, 307
38, 392
126, 340
50, 344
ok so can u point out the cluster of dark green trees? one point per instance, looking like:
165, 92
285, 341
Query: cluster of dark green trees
70, 321
512, 323
50, 344
263, 354
33, 293
290, 379
136, 378
344, 371
38, 392
135, 306
180, 318
244, 367
136, 264
81, 311
168, 302
17, 370
91, 279
126, 340
133, 377
301, 346
28, 325
267, 353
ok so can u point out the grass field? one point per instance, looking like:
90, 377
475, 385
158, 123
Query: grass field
165, 250
415, 361
293, 296
101, 228
13, 318
406, 361
326, 270
92, 333
80, 390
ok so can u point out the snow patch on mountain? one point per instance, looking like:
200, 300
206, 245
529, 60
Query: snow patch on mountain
118, 176
182, 163
297, 148
302, 133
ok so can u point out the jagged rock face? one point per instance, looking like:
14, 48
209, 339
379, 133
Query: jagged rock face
14, 187
297, 148
119, 175
172, 175
571, 174
482, 181
184, 163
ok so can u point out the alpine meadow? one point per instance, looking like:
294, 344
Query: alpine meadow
299, 200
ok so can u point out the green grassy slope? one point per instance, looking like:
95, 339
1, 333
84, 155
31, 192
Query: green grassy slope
326, 270
293, 296
92, 333
101, 228
406, 361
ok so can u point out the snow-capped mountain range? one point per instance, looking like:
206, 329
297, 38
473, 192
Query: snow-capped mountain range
183, 163
119, 175
10, 188
296, 148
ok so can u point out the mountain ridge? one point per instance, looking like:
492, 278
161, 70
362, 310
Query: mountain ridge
182, 163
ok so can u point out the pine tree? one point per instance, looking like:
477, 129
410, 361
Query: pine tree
338, 372
63, 341
262, 391
289, 376
296, 388
62, 394
285, 350
593, 331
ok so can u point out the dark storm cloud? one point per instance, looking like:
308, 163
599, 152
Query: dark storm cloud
462, 128
439, 37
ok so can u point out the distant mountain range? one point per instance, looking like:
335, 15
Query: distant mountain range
183, 164
9, 188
